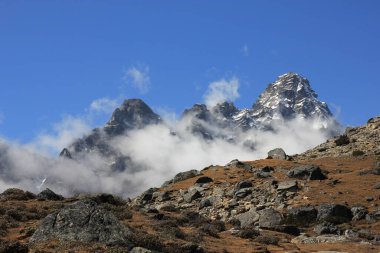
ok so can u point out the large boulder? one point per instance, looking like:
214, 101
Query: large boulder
278, 154
83, 221
247, 219
302, 216
334, 213
310, 172
270, 218
238, 164
185, 175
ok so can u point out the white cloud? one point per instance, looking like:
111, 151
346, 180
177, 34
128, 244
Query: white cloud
103, 105
64, 133
245, 50
222, 90
138, 77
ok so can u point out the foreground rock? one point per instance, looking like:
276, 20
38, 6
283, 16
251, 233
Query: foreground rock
82, 221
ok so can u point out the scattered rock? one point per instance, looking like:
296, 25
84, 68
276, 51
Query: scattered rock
310, 172
148, 194
205, 203
48, 194
277, 153
334, 213
161, 196
83, 221
342, 140
242, 193
326, 228
304, 239
359, 213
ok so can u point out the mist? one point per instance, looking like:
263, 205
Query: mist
158, 152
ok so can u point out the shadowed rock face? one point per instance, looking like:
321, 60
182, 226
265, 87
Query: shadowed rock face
82, 221
132, 114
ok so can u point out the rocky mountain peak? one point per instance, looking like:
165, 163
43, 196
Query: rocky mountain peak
289, 96
225, 109
132, 114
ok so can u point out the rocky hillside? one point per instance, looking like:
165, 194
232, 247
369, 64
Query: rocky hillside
356, 141
281, 204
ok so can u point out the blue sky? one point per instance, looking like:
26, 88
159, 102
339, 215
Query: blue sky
58, 57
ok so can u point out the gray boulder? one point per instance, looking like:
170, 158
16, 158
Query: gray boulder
302, 216
287, 186
238, 164
185, 175
334, 213
310, 172
359, 213
191, 195
278, 154
270, 218
83, 221
247, 219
